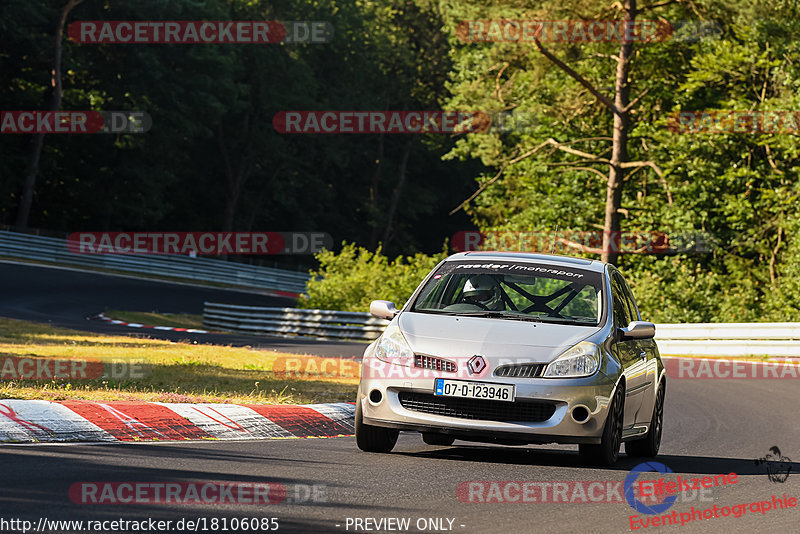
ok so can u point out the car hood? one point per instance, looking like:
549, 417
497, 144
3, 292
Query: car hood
461, 337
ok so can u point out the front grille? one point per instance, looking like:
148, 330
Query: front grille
525, 370
434, 363
487, 410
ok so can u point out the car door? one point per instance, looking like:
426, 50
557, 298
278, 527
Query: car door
646, 349
628, 353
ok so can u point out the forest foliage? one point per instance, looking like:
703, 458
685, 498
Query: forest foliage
213, 161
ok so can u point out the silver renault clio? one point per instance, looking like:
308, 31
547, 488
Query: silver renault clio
515, 348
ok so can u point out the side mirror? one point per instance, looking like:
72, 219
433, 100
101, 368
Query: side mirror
383, 309
638, 330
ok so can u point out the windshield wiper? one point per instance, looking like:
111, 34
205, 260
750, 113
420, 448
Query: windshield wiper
556, 320
504, 315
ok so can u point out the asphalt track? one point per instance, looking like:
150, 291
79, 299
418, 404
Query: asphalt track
711, 427
68, 297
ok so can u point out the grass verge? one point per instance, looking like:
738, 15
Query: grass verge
154, 370
154, 318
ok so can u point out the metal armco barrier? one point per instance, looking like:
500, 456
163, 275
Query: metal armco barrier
729, 339
33, 247
702, 339
285, 321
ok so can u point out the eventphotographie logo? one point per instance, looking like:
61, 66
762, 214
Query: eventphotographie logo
657, 496
630, 485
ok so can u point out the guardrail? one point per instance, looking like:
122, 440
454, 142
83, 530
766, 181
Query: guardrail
729, 339
286, 321
701, 339
49, 249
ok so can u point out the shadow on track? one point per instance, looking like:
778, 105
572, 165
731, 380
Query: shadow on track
560, 458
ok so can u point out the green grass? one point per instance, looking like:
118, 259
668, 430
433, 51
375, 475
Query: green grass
173, 372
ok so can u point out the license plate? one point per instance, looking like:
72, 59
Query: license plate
473, 390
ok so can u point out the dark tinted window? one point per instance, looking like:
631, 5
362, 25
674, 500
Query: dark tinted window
622, 313
630, 301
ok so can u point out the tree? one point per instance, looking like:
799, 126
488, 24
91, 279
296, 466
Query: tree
620, 107
55, 104
741, 189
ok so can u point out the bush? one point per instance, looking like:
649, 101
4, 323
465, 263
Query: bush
351, 279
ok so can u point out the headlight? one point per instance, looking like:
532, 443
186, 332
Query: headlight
581, 360
393, 348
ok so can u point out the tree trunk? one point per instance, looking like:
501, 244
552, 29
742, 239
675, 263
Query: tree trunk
235, 178
374, 194
37, 143
619, 148
388, 234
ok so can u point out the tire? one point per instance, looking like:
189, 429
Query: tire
371, 438
648, 446
606, 453
442, 440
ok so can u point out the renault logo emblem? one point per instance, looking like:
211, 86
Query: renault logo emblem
476, 364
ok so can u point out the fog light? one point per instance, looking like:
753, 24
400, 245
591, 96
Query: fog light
375, 396
580, 414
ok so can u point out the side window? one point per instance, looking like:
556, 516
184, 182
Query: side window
635, 316
622, 315
584, 305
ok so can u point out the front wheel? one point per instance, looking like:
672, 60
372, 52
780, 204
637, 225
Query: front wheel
607, 452
648, 446
371, 438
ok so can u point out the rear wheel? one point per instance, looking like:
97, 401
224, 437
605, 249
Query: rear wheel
607, 452
371, 438
648, 446
442, 440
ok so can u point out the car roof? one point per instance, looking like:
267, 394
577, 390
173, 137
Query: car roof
550, 259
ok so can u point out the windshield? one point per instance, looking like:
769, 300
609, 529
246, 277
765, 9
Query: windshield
509, 290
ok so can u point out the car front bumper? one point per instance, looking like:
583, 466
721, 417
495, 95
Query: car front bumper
594, 393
